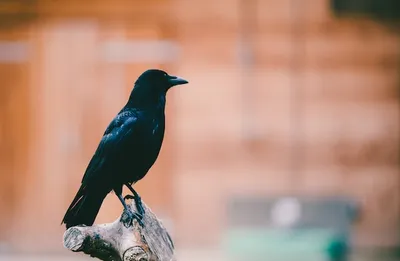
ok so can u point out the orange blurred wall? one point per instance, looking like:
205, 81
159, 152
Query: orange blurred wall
55, 104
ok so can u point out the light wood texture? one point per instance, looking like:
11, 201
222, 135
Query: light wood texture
123, 240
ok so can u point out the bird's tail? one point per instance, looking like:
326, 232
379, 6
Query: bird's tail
84, 208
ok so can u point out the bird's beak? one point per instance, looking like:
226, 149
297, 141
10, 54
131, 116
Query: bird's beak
174, 80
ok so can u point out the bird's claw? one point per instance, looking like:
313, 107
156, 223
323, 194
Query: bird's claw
139, 206
138, 203
140, 222
132, 215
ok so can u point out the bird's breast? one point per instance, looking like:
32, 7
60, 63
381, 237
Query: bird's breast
148, 143
144, 149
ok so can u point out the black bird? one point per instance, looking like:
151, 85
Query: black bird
129, 147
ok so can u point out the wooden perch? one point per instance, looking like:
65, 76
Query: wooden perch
123, 240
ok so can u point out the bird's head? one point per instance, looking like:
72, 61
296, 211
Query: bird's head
153, 84
158, 80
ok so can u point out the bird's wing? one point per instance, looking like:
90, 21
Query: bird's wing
119, 130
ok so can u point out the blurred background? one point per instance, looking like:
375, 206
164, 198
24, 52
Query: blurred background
284, 146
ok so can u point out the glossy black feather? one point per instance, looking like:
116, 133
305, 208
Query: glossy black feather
129, 147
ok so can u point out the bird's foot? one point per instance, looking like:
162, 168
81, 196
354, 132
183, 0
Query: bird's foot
138, 203
132, 215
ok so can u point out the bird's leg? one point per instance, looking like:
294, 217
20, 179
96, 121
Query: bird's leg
129, 212
138, 200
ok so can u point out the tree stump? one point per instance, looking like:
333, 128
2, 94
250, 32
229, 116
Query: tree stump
123, 240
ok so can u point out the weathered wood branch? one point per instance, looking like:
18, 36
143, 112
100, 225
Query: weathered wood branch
123, 240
